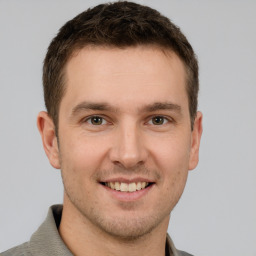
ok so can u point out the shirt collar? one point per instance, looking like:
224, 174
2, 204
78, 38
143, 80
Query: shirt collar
47, 241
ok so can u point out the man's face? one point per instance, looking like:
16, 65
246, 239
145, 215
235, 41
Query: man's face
124, 124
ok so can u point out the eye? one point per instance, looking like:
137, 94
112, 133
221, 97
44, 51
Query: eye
96, 120
158, 120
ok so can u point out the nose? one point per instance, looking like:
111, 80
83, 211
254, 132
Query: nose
128, 149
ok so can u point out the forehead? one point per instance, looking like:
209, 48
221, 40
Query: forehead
145, 57
139, 74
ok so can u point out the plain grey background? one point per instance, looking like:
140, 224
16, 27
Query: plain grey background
217, 212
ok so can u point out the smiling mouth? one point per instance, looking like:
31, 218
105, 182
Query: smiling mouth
127, 187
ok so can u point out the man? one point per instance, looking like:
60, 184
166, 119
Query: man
120, 87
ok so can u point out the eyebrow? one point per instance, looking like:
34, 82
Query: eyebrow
161, 106
92, 106
107, 107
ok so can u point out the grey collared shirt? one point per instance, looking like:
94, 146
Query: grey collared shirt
47, 241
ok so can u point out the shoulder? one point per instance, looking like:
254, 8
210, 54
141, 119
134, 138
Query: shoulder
172, 249
182, 253
20, 250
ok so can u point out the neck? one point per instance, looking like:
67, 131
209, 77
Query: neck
83, 238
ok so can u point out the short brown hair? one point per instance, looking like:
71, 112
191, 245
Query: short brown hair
119, 24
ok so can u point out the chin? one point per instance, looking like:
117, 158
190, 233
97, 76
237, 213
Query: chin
127, 229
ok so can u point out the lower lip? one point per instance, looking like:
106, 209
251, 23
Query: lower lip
128, 196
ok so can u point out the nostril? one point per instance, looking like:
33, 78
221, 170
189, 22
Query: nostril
129, 166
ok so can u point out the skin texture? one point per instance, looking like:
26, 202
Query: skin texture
126, 89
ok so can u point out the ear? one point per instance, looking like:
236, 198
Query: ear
46, 128
195, 141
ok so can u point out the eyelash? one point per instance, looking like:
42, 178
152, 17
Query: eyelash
95, 116
165, 120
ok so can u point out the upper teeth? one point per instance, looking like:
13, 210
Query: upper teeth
126, 187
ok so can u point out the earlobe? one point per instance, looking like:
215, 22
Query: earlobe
46, 128
195, 141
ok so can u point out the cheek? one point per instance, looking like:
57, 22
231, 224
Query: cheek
171, 157
83, 155
172, 154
